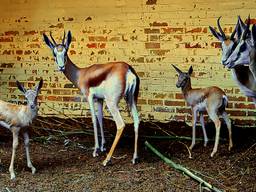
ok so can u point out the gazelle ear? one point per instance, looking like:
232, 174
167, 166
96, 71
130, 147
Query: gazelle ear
48, 42
39, 86
69, 38
20, 87
190, 71
177, 69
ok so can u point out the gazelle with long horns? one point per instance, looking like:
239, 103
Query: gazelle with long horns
238, 54
213, 100
98, 82
15, 117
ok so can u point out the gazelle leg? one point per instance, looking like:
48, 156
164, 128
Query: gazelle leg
217, 123
94, 122
113, 108
100, 118
204, 131
228, 123
15, 142
26, 142
136, 120
194, 114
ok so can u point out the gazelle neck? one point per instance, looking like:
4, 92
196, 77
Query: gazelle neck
186, 88
71, 71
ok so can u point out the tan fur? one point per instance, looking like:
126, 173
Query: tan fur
95, 74
227, 42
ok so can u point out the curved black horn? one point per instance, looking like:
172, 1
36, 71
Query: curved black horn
220, 29
52, 39
234, 31
241, 23
63, 40
247, 29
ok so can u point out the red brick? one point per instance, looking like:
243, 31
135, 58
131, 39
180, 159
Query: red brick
6, 39
151, 2
11, 33
19, 52
173, 30
244, 106
174, 103
155, 102
179, 96
30, 32
188, 45
152, 45
97, 38
148, 31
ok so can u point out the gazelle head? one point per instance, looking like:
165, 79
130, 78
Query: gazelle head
59, 50
241, 54
228, 44
183, 78
31, 94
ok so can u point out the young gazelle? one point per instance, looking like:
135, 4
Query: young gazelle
98, 82
238, 54
14, 117
211, 99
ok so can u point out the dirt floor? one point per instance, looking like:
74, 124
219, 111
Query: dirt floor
61, 151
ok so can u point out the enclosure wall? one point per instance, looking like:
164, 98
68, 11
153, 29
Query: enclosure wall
148, 34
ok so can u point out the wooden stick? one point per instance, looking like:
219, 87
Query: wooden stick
182, 169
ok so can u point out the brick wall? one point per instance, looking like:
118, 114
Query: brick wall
148, 34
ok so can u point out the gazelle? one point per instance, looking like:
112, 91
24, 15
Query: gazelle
15, 117
238, 54
98, 82
211, 99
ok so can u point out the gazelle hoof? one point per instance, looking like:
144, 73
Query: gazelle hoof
102, 148
135, 160
13, 177
33, 169
96, 152
106, 162
212, 154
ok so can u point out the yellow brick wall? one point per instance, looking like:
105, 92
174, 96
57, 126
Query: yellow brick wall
148, 34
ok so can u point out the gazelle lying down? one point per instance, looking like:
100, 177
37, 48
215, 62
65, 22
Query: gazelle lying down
211, 99
14, 117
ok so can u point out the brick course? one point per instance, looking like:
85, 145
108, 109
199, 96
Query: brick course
148, 34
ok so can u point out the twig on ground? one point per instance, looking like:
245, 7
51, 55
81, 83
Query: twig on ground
182, 169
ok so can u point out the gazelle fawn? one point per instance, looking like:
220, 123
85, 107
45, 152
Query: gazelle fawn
211, 99
99, 82
15, 117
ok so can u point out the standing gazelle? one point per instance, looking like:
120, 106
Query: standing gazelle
98, 82
211, 99
14, 117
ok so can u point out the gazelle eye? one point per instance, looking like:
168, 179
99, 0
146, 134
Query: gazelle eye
243, 47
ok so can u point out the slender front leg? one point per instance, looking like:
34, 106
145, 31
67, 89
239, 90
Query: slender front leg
15, 142
100, 119
96, 141
26, 142
194, 114
204, 131
113, 108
